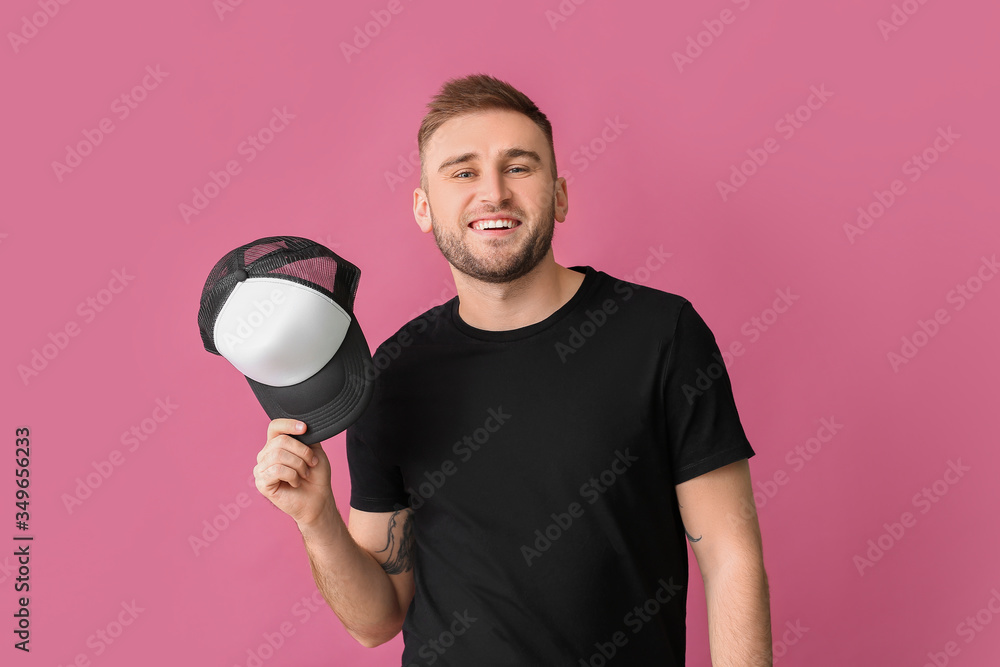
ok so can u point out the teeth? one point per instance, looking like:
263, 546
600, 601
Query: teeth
494, 224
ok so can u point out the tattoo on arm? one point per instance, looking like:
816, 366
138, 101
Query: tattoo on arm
401, 551
690, 536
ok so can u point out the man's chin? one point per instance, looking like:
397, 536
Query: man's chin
497, 275
510, 262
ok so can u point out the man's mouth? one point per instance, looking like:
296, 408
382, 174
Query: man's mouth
500, 224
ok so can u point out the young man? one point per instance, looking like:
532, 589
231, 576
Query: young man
536, 447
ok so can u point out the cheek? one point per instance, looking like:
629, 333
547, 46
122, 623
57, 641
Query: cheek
537, 199
449, 207
448, 218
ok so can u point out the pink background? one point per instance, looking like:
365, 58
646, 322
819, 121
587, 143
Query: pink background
324, 176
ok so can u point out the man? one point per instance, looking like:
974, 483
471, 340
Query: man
536, 447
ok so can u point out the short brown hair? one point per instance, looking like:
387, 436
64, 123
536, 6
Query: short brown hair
477, 92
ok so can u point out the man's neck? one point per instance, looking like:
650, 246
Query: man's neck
520, 303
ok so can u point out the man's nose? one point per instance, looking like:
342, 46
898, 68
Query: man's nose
495, 188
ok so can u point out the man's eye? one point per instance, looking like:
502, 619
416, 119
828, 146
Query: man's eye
512, 169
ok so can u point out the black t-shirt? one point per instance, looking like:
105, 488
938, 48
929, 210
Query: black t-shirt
541, 464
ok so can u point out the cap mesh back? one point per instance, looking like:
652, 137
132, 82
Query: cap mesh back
256, 252
295, 259
319, 270
218, 272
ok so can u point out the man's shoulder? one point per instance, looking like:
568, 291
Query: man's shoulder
421, 328
630, 287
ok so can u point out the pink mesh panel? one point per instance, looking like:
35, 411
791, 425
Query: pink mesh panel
253, 254
318, 270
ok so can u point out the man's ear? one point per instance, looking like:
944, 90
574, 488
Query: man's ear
561, 199
421, 210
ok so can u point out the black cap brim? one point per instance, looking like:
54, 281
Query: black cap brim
329, 401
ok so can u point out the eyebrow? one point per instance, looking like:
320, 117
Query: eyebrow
508, 154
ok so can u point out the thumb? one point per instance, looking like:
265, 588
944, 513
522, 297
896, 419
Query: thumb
320, 454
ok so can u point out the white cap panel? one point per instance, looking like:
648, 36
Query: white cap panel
279, 332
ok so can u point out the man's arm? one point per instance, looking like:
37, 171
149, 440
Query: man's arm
365, 573
720, 519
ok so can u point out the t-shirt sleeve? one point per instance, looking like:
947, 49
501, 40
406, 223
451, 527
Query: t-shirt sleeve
376, 486
703, 426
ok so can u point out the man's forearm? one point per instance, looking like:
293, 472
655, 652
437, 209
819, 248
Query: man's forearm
739, 614
353, 583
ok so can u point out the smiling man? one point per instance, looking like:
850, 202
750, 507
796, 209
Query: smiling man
524, 476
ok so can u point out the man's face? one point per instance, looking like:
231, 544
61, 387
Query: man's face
494, 164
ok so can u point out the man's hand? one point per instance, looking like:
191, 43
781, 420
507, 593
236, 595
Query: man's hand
293, 476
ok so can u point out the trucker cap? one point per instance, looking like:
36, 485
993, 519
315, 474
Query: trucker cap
281, 310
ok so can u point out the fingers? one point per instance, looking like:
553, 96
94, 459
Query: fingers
290, 426
285, 459
270, 476
277, 437
279, 456
319, 454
